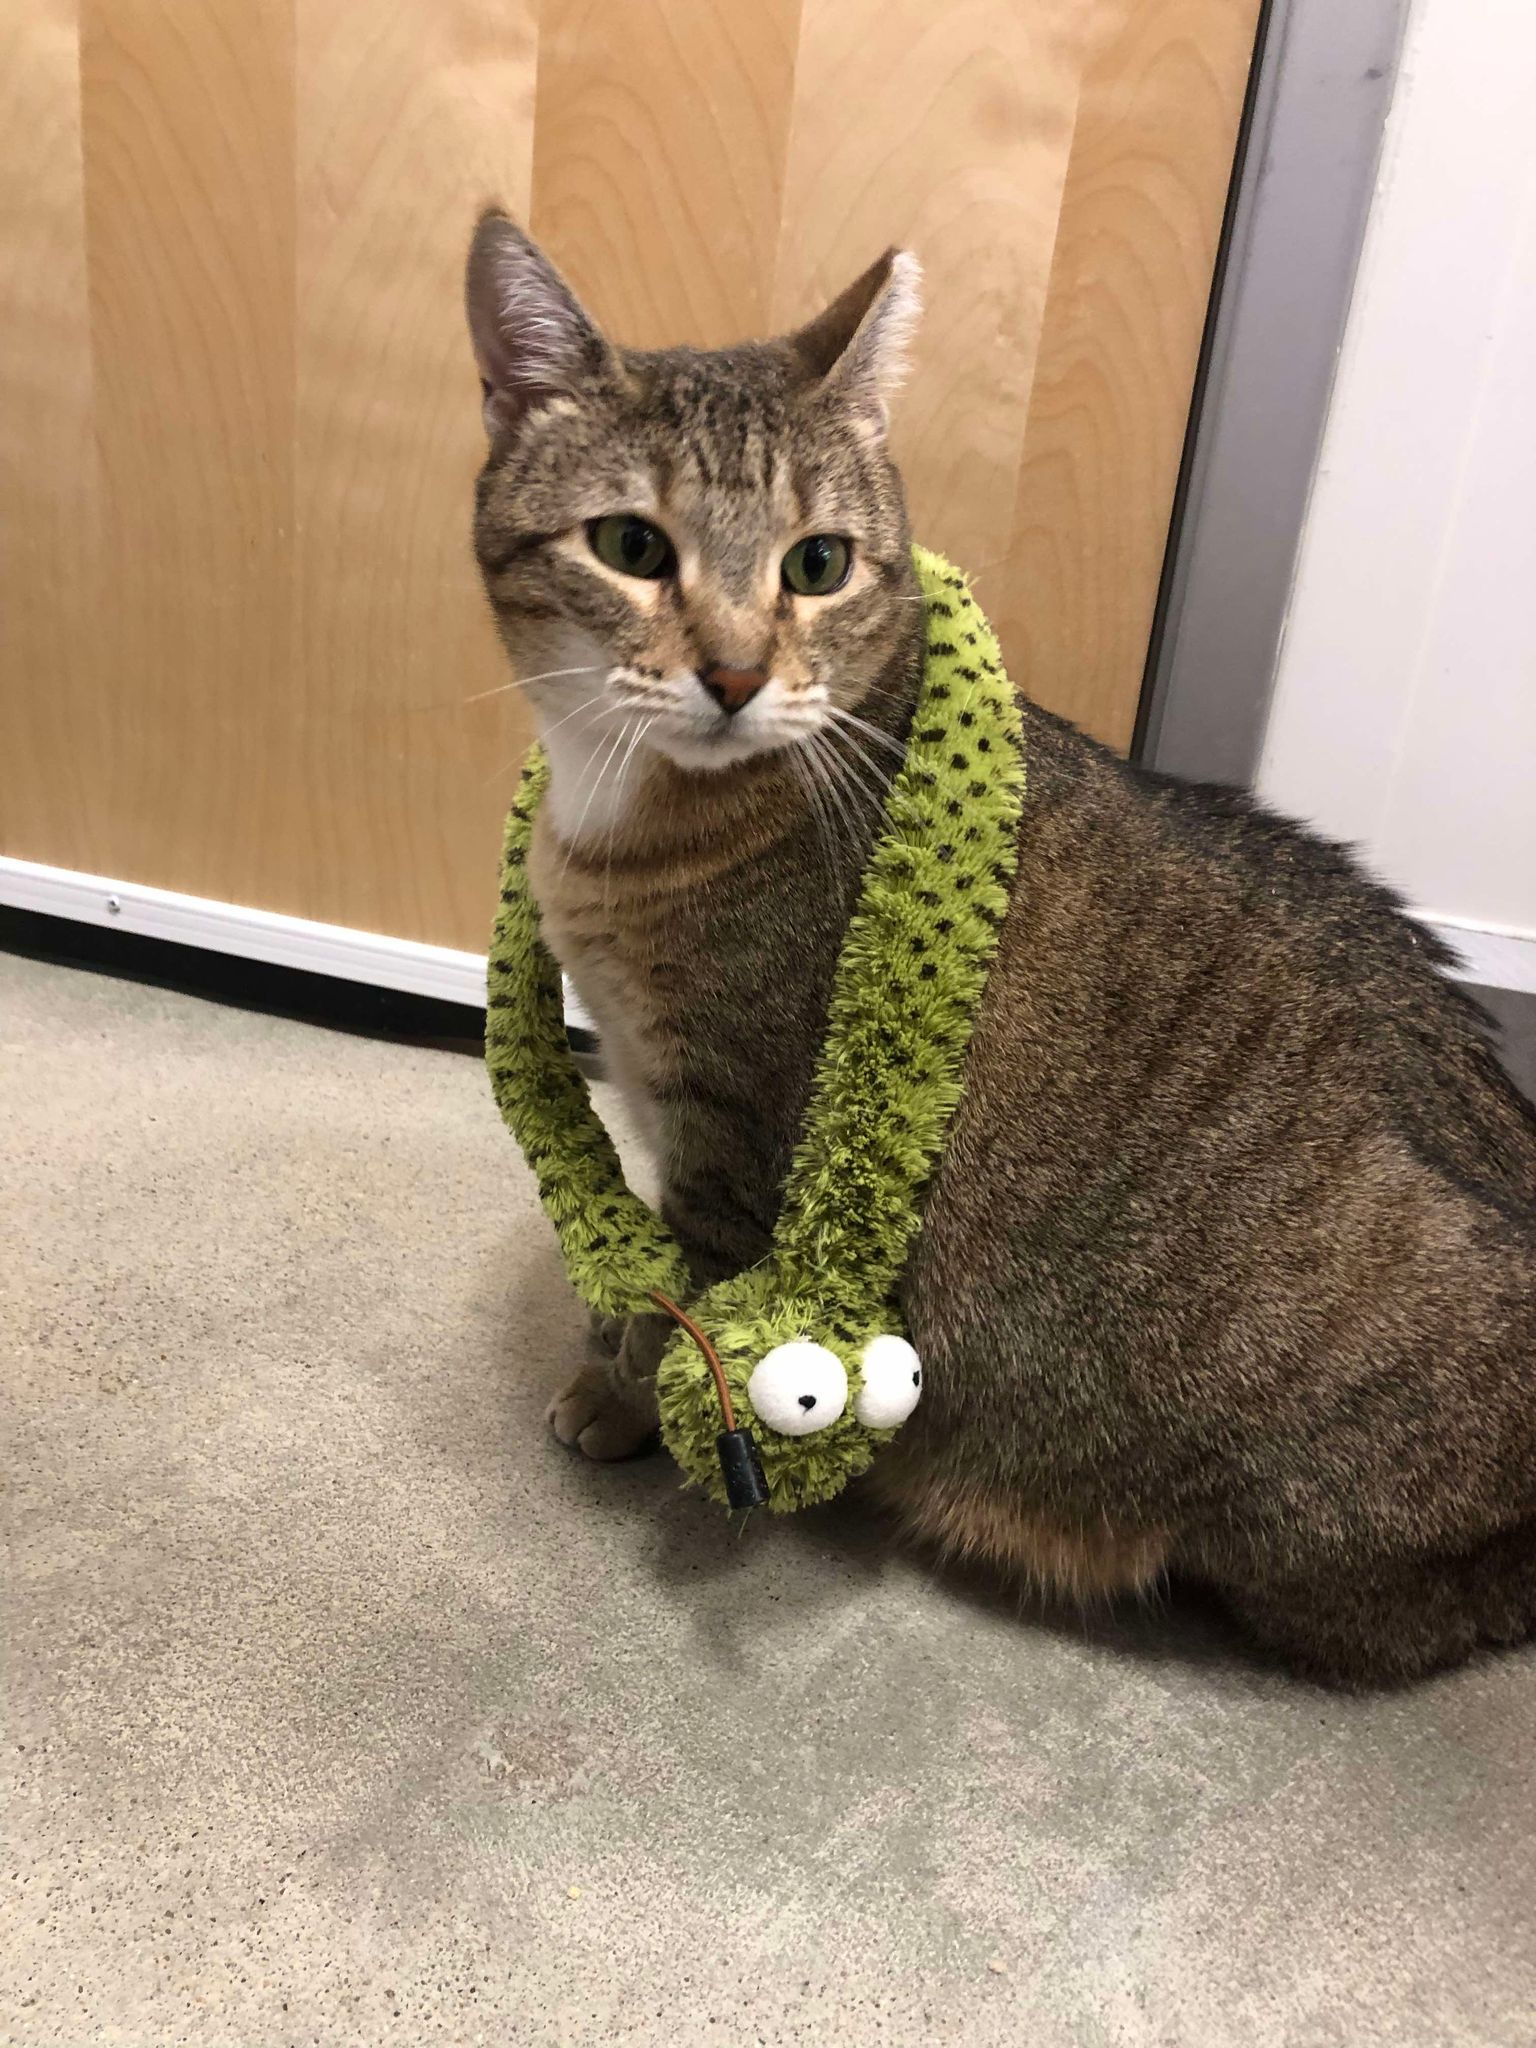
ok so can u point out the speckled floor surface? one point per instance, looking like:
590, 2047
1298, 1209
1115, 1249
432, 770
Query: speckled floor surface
341, 1706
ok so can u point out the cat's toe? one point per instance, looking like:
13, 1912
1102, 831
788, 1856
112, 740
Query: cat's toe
571, 1412
619, 1432
601, 1420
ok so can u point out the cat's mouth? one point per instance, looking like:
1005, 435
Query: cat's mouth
719, 742
696, 733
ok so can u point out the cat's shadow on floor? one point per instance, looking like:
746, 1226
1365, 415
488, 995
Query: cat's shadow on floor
697, 1554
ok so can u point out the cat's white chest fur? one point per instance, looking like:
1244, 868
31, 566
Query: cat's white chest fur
593, 773
594, 770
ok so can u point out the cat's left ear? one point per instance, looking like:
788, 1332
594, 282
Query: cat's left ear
859, 349
533, 338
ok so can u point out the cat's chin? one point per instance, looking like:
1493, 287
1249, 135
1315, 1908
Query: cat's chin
722, 747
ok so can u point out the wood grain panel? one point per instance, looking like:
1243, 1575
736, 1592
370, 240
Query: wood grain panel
408, 116
659, 153
49, 710
955, 143
187, 115
243, 646
1141, 217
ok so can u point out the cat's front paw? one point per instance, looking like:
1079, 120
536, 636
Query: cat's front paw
603, 1420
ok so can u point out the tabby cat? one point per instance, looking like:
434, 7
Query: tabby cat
1229, 1267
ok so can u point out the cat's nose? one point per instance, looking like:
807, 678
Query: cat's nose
731, 688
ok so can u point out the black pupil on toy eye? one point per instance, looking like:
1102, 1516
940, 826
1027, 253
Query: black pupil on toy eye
917, 1379
807, 1401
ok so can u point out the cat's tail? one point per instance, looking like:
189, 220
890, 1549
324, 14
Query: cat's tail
1389, 1620
1503, 1588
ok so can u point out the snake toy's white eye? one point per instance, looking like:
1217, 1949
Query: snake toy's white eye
893, 1380
798, 1388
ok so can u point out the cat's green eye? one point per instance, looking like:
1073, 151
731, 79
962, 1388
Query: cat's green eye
817, 565
632, 546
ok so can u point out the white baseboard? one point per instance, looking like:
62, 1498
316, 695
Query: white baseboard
336, 949
1496, 956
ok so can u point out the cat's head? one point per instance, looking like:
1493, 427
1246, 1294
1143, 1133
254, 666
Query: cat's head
704, 550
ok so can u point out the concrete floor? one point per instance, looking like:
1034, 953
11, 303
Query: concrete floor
344, 1707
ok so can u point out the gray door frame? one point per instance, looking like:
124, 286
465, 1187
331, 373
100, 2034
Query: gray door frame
1296, 218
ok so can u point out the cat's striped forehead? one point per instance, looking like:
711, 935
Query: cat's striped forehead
737, 447
732, 452
718, 435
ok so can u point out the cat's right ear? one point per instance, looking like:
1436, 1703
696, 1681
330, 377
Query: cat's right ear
858, 350
533, 339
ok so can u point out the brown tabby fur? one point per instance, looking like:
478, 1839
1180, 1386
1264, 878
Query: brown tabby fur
1229, 1267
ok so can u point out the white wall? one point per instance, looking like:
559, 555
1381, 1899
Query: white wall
1404, 713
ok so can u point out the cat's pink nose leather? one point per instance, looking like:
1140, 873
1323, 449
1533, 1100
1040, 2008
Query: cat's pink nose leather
731, 688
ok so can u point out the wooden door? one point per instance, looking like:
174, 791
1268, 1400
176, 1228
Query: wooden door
242, 648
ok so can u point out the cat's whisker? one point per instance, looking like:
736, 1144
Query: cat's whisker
904, 698
860, 734
586, 704
816, 730
641, 729
496, 773
974, 576
597, 782
550, 675
845, 779
809, 755
840, 789
802, 764
882, 739
843, 842
860, 767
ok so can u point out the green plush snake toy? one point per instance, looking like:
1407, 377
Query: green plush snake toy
784, 1381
